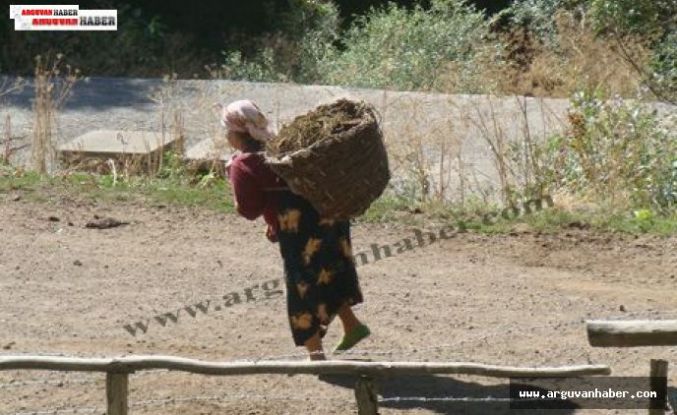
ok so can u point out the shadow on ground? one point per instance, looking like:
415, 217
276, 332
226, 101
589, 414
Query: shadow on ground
426, 389
95, 93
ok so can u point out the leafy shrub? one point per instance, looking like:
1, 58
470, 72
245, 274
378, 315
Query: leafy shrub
405, 49
172, 167
549, 48
537, 15
664, 67
313, 28
618, 151
260, 69
391, 47
304, 38
646, 17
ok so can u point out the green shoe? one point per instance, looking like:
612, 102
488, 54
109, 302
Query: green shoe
351, 339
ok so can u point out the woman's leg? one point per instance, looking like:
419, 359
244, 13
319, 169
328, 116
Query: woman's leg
314, 346
348, 318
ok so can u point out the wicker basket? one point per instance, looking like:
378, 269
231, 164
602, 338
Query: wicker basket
340, 175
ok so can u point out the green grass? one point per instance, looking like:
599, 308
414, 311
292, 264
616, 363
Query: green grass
660, 225
548, 220
387, 208
555, 219
214, 193
21, 182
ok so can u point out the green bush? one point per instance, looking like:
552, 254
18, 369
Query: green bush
260, 69
392, 47
406, 49
303, 39
618, 151
645, 17
537, 15
664, 67
313, 28
448, 47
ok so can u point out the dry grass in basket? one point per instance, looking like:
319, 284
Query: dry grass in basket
318, 125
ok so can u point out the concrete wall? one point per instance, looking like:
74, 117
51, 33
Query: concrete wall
436, 124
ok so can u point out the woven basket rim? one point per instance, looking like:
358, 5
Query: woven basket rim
370, 111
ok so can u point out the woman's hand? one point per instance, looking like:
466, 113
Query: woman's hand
270, 234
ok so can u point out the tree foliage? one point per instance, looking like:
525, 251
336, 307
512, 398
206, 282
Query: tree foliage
651, 18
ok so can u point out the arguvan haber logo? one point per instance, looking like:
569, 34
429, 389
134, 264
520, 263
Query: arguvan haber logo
61, 17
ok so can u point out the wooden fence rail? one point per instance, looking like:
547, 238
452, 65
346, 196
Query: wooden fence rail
632, 333
118, 369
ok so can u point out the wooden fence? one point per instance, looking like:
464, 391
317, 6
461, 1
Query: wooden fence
118, 369
638, 333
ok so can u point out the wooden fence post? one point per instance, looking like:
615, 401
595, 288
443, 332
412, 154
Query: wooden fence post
659, 383
116, 393
365, 394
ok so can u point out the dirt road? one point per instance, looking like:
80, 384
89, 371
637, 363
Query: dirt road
517, 299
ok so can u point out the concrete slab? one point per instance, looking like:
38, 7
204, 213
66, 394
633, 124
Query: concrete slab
117, 142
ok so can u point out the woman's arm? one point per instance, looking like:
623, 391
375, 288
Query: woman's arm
249, 197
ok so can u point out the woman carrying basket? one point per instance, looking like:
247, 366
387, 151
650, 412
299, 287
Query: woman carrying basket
320, 274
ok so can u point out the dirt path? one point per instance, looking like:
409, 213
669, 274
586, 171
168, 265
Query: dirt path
517, 300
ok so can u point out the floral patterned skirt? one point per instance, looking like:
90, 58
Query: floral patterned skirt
319, 268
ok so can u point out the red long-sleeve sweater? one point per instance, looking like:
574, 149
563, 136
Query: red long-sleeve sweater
249, 177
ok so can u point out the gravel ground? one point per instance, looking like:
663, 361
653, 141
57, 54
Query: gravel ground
518, 299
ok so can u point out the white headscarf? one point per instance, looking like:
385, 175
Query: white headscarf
244, 116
